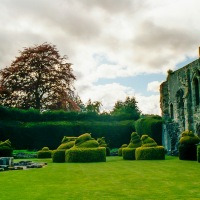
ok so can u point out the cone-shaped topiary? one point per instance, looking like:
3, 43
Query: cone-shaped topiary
188, 146
102, 143
135, 141
149, 150
86, 149
44, 153
129, 152
6, 149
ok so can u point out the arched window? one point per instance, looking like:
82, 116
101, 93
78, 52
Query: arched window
171, 111
196, 91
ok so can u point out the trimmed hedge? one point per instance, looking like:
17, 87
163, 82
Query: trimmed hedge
58, 156
44, 153
150, 153
188, 146
120, 149
86, 155
188, 152
35, 135
67, 145
152, 126
128, 153
198, 153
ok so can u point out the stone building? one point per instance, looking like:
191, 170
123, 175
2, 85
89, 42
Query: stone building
180, 103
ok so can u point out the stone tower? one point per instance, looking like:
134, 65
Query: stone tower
180, 103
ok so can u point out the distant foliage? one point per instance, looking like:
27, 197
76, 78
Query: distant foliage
127, 109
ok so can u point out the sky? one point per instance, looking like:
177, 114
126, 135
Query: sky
118, 48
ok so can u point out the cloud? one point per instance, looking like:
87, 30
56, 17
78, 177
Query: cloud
154, 86
104, 39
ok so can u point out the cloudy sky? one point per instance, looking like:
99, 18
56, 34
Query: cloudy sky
118, 48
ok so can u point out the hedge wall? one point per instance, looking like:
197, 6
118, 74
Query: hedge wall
35, 135
152, 126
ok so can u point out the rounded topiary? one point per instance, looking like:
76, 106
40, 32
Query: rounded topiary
129, 152
148, 141
188, 146
44, 153
149, 150
86, 149
120, 149
6, 149
58, 156
85, 141
67, 145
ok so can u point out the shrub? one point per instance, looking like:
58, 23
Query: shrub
128, 153
68, 139
188, 147
150, 125
147, 141
198, 153
102, 143
135, 141
86, 154
150, 153
187, 152
5, 149
120, 149
44, 153
67, 145
58, 156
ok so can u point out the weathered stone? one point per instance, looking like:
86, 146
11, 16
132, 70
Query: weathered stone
6, 161
180, 103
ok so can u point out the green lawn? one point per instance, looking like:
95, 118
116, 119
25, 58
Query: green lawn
114, 179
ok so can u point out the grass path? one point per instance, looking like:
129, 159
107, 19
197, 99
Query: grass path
114, 179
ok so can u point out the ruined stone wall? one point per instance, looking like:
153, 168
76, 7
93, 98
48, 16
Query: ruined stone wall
180, 99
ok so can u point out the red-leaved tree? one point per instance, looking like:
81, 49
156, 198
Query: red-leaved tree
39, 78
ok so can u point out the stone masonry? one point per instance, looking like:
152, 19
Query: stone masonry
180, 103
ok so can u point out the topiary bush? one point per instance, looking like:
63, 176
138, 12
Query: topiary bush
120, 149
67, 142
188, 146
44, 153
102, 143
149, 150
150, 153
86, 154
129, 152
6, 149
58, 156
86, 149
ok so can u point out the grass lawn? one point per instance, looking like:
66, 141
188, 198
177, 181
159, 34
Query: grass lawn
114, 179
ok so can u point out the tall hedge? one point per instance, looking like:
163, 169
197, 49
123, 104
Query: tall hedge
152, 126
35, 135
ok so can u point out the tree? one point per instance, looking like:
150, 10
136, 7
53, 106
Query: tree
127, 109
39, 78
93, 106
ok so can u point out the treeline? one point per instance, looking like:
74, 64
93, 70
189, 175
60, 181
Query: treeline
34, 115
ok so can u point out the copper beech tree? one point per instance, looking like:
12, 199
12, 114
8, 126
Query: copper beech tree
39, 78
